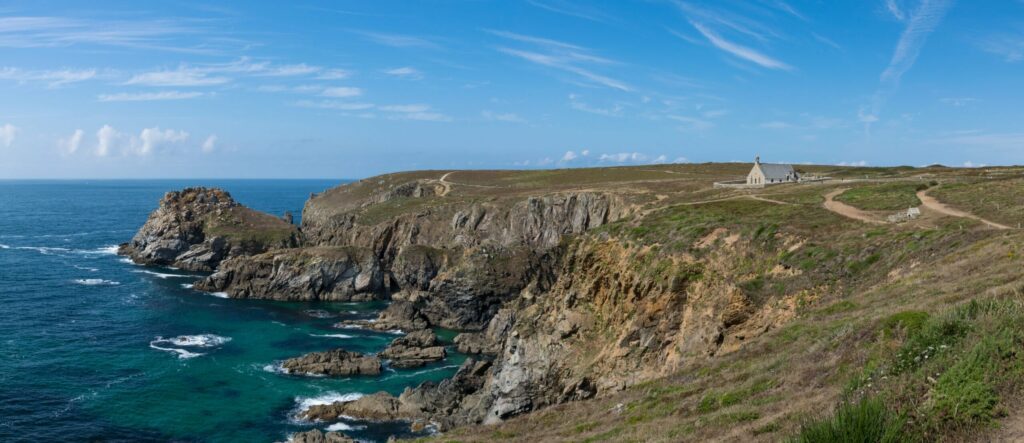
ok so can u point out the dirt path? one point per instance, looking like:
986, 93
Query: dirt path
937, 206
446, 184
848, 211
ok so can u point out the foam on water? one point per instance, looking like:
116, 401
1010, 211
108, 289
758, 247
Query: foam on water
275, 368
342, 426
304, 403
220, 294
187, 285
43, 249
165, 276
200, 341
3, 246
318, 313
95, 282
331, 335
106, 250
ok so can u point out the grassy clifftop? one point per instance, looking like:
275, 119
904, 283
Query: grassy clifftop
908, 330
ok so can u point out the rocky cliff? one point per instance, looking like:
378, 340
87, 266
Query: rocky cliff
197, 228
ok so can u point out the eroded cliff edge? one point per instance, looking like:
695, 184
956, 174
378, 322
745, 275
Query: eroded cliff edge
548, 280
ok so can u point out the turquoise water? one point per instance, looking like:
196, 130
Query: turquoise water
86, 339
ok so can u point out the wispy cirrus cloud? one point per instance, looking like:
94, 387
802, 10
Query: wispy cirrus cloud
398, 40
416, 111
148, 96
182, 76
738, 50
1008, 46
53, 78
571, 9
921, 23
566, 57
177, 35
507, 117
405, 72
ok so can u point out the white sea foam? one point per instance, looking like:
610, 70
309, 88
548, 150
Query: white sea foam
187, 285
348, 326
86, 268
275, 368
318, 313
128, 261
182, 354
341, 426
165, 276
199, 341
96, 282
188, 341
220, 294
3, 246
304, 403
106, 250
331, 335
43, 249
396, 332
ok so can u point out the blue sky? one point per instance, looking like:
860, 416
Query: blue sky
109, 89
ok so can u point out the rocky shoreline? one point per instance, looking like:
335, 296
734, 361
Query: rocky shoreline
511, 274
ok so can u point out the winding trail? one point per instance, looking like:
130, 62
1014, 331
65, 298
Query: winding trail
446, 184
848, 211
937, 206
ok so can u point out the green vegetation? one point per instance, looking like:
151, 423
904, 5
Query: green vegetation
244, 225
883, 197
864, 421
997, 200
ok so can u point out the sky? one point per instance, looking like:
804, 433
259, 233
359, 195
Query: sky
350, 89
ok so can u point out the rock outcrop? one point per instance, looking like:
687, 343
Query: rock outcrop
197, 228
318, 436
414, 350
376, 407
302, 274
333, 363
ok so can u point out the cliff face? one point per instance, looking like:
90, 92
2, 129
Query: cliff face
456, 261
197, 228
619, 314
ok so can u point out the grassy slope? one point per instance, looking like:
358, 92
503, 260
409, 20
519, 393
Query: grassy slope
890, 289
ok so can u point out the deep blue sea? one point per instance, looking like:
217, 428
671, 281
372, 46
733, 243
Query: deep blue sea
94, 348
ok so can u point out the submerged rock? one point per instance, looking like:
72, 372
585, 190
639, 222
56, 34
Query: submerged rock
334, 363
414, 350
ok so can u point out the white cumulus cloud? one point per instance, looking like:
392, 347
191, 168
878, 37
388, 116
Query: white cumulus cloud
210, 144
71, 144
106, 138
7, 133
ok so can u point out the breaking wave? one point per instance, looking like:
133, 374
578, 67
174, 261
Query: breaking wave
201, 341
95, 282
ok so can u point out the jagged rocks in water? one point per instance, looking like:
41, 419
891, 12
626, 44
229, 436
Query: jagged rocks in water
197, 228
306, 274
456, 401
317, 436
334, 363
377, 407
400, 315
414, 350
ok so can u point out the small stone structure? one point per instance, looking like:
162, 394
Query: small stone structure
904, 216
764, 174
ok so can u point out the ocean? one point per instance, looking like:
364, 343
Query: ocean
95, 348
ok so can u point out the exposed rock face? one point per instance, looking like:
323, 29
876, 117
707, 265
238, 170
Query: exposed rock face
197, 228
334, 363
458, 400
490, 340
378, 407
317, 436
305, 274
414, 350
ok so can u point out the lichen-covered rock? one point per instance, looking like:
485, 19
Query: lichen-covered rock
197, 228
414, 350
303, 274
333, 363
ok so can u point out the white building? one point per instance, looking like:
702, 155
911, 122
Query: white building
763, 174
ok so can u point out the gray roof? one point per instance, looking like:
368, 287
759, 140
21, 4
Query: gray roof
776, 171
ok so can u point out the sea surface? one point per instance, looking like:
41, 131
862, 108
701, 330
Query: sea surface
95, 348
